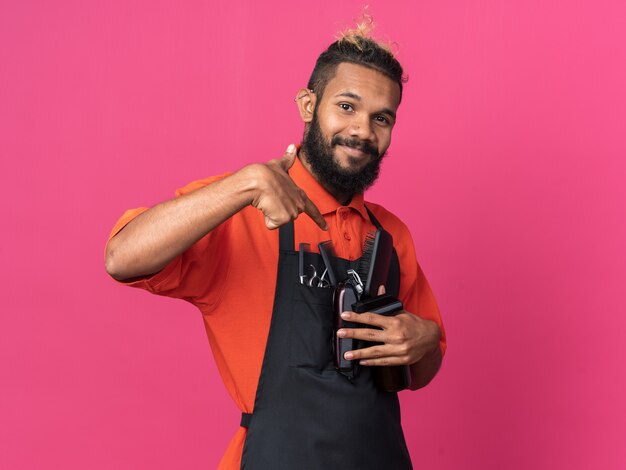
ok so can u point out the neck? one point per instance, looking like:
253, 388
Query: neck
342, 198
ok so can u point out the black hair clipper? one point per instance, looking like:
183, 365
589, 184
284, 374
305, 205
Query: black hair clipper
344, 298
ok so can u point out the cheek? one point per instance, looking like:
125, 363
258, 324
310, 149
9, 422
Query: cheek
384, 140
331, 123
332, 127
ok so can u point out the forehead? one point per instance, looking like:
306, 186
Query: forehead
374, 87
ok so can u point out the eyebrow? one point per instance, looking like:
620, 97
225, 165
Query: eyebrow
354, 96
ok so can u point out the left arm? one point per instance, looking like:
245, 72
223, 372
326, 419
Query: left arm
407, 340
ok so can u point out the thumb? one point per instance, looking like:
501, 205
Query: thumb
290, 156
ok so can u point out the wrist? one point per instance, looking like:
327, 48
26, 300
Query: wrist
249, 182
434, 336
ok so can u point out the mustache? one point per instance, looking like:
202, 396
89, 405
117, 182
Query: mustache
363, 146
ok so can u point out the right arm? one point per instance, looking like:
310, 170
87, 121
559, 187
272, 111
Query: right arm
154, 238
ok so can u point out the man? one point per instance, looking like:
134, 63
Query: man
215, 246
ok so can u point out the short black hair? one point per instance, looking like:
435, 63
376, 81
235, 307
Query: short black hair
356, 48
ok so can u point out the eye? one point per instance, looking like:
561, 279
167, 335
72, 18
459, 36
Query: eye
382, 120
346, 106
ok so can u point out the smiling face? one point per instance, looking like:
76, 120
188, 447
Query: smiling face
349, 130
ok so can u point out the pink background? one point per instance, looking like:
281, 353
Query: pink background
507, 164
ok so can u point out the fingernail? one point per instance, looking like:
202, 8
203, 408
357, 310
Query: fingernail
345, 315
291, 148
341, 333
348, 355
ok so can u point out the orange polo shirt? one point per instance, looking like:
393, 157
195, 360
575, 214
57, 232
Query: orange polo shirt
230, 275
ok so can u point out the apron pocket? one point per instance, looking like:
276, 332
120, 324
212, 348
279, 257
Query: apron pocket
311, 328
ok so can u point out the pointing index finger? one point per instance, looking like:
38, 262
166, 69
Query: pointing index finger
312, 211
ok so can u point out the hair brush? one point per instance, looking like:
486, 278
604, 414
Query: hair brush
374, 264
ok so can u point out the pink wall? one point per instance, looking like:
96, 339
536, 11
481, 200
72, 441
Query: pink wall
507, 164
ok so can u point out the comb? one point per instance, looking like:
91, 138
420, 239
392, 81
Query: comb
328, 252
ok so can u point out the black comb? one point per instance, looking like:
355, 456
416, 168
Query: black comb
328, 252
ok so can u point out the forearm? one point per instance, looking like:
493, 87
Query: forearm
424, 370
154, 238
151, 240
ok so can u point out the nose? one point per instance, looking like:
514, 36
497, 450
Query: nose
361, 128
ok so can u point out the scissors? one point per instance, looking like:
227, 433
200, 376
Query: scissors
318, 281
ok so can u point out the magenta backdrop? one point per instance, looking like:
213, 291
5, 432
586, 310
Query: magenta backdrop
507, 164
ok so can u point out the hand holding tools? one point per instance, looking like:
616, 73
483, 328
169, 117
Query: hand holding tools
387, 378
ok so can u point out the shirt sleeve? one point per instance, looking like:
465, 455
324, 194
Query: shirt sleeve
415, 292
197, 274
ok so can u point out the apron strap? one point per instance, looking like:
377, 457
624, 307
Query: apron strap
286, 240
245, 420
373, 219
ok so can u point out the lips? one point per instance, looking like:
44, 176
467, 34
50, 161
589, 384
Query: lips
354, 147
353, 152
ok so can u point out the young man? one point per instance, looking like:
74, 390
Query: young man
215, 246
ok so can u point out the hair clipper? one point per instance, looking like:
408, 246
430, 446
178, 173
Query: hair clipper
345, 296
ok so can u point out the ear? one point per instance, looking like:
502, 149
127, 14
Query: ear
305, 100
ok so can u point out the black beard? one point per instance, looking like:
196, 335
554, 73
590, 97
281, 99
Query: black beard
319, 154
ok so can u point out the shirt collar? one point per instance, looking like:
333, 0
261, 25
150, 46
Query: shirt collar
324, 201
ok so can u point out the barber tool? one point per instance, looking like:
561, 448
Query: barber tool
328, 252
304, 248
318, 281
345, 296
384, 304
374, 264
374, 269
355, 280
